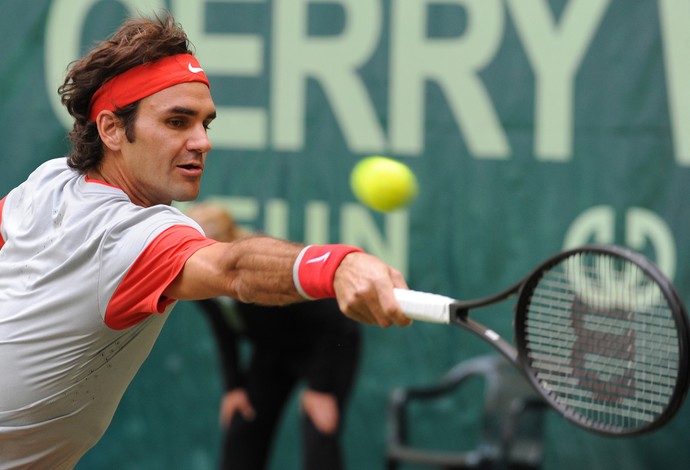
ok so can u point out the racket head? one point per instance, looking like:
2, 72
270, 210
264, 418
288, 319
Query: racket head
603, 336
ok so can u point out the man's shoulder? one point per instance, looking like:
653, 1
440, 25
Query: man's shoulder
54, 165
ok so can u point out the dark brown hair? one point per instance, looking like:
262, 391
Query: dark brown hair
137, 41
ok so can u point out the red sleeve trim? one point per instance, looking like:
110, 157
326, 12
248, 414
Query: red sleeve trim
140, 293
2, 204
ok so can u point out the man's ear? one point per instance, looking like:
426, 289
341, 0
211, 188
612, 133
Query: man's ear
110, 129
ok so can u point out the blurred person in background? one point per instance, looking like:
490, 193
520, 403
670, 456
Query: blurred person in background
308, 343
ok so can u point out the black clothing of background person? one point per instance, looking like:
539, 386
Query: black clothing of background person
310, 343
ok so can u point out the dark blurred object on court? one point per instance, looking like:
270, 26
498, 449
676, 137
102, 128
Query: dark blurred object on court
511, 427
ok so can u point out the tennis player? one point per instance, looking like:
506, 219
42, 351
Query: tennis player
94, 257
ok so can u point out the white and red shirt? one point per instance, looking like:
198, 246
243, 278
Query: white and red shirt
82, 275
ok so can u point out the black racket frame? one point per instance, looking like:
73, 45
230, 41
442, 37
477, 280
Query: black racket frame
459, 316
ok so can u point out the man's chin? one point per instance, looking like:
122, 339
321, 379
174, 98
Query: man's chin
188, 195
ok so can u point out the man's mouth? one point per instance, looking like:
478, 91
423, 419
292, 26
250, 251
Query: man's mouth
192, 168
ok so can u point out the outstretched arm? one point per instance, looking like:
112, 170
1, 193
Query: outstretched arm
259, 269
255, 270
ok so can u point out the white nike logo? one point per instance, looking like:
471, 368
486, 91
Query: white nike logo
319, 259
194, 69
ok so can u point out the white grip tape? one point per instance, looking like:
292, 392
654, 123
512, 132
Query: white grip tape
424, 306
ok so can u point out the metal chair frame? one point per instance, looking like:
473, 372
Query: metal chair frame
512, 425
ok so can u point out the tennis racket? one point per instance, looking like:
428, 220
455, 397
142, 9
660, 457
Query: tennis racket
600, 333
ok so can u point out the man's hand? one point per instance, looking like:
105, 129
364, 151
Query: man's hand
364, 288
235, 401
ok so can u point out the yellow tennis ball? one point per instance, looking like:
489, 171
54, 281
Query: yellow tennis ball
382, 183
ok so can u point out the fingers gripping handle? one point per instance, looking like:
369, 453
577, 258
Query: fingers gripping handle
424, 306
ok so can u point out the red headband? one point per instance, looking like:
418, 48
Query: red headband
145, 80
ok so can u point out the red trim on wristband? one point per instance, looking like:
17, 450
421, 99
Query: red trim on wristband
315, 267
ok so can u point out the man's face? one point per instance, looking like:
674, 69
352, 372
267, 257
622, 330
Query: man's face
166, 158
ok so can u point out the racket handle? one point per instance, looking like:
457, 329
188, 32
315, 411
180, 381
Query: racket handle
424, 306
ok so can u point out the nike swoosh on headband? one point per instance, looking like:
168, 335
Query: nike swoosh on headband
194, 69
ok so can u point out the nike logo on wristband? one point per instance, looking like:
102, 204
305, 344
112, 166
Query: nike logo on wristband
194, 69
319, 259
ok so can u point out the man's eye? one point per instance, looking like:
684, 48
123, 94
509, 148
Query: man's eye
176, 122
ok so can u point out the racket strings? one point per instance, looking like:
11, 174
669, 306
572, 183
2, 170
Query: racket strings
601, 339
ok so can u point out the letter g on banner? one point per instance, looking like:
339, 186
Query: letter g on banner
643, 228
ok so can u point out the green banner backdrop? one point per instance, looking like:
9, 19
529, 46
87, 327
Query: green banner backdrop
532, 125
